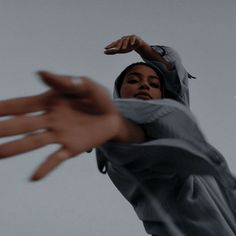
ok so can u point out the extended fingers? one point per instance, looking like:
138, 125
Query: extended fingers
133, 40
82, 88
23, 105
51, 163
124, 42
28, 143
114, 47
111, 45
64, 83
129, 41
123, 45
22, 124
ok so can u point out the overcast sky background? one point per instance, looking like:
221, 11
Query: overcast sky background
68, 36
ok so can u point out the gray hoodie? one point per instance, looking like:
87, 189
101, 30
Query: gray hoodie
177, 183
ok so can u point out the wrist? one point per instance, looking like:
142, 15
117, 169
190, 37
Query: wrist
142, 47
148, 52
128, 132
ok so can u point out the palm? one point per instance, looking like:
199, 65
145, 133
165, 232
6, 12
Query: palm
77, 125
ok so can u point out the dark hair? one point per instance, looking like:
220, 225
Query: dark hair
122, 75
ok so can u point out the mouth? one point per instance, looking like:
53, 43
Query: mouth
143, 95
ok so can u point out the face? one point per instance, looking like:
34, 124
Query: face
141, 82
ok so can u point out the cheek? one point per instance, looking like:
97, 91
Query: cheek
127, 91
156, 94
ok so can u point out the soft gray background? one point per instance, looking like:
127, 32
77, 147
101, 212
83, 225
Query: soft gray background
68, 36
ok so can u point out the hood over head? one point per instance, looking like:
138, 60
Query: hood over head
166, 79
120, 78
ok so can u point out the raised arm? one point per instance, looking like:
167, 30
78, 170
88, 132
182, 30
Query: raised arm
134, 43
165, 58
76, 113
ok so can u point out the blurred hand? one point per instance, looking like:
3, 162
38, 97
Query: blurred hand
124, 45
76, 113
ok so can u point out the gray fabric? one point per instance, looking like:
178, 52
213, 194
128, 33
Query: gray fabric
176, 82
178, 184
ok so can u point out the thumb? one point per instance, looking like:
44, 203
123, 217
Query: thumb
64, 83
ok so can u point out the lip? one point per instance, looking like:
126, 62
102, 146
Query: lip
143, 95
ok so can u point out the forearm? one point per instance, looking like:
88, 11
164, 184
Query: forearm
129, 43
146, 51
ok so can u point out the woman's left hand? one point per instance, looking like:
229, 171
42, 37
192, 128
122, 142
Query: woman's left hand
124, 45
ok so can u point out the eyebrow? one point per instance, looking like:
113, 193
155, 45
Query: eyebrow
139, 75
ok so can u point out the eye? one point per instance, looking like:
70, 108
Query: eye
132, 81
155, 85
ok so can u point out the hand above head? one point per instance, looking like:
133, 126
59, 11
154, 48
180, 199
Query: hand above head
131, 43
124, 45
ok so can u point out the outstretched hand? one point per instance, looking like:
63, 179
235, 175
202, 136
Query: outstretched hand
76, 113
124, 45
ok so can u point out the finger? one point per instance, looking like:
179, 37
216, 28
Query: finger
111, 45
113, 48
119, 44
21, 125
125, 43
23, 105
79, 87
111, 51
52, 162
26, 144
133, 39
115, 45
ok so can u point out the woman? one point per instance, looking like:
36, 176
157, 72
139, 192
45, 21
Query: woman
151, 148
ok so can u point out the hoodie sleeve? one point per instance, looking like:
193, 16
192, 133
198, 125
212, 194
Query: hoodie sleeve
175, 142
176, 82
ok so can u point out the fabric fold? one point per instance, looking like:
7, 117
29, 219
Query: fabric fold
176, 181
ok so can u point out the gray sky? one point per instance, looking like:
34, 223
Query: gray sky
68, 36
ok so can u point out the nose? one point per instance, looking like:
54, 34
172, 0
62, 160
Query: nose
144, 85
